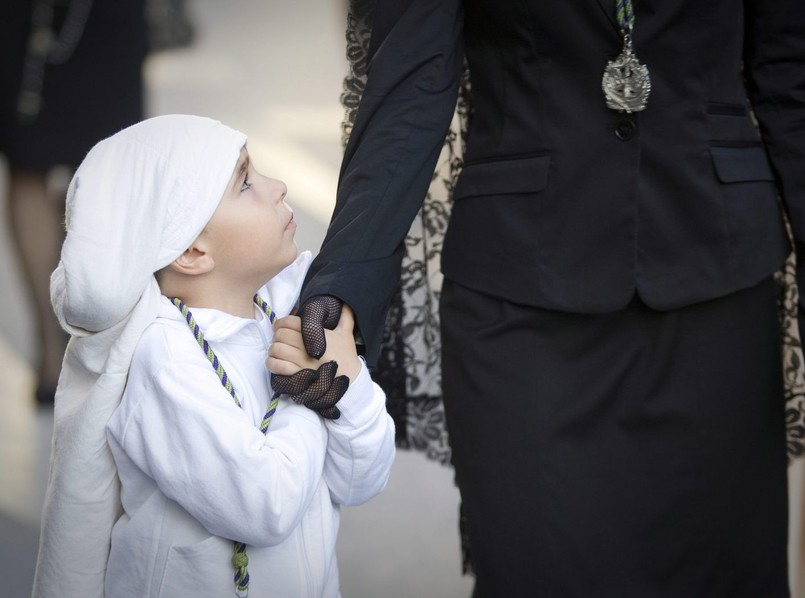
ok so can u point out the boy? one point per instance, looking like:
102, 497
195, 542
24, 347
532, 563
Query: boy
211, 504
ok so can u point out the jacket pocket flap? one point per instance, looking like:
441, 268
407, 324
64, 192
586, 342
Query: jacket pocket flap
737, 164
523, 175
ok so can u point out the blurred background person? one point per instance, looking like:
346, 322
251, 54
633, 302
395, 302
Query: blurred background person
71, 74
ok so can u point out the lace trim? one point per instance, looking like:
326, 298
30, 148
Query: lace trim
793, 362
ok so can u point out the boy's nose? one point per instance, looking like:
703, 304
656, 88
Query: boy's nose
282, 191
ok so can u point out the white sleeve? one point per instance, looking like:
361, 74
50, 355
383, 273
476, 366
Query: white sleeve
183, 429
360, 448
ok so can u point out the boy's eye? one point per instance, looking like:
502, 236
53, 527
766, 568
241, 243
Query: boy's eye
246, 185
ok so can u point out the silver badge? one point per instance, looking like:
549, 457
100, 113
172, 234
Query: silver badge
626, 83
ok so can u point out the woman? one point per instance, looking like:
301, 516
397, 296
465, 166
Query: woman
609, 319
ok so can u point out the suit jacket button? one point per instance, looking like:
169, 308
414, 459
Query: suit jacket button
625, 130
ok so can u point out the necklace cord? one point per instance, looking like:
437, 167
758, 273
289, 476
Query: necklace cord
240, 559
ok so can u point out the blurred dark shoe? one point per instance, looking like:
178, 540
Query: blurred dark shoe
45, 396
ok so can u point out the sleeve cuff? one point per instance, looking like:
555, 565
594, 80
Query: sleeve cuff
361, 402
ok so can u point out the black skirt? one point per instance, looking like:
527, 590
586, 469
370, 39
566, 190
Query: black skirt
635, 454
94, 94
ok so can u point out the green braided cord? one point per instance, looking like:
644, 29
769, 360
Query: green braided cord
240, 560
625, 14
272, 405
205, 346
265, 307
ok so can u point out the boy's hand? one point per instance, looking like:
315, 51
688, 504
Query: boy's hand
314, 383
287, 354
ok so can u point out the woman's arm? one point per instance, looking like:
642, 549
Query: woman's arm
774, 68
388, 164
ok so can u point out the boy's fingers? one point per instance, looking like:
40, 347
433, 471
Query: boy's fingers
279, 350
293, 353
289, 322
280, 367
285, 336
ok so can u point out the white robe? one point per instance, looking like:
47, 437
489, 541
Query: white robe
136, 202
197, 473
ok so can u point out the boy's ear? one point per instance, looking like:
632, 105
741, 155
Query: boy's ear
193, 262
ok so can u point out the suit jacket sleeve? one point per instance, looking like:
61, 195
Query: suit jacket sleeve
406, 108
774, 65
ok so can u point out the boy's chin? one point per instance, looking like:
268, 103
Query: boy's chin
289, 258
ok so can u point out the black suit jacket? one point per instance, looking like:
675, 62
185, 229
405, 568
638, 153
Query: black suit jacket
562, 202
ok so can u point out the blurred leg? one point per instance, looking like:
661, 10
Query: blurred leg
36, 217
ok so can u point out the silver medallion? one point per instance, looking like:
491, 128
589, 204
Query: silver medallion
626, 83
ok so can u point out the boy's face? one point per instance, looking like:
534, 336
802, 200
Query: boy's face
252, 230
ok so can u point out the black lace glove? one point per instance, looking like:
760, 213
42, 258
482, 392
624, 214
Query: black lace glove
318, 313
318, 390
